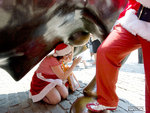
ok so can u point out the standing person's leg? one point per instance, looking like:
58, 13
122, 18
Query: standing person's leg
91, 50
109, 56
146, 57
96, 44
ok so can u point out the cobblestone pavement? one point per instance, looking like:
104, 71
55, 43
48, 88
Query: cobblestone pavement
130, 89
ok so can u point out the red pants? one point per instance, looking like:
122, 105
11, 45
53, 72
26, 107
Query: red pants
109, 56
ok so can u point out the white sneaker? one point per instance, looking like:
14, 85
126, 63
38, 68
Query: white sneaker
96, 107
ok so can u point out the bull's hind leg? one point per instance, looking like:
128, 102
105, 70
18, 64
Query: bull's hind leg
90, 89
79, 106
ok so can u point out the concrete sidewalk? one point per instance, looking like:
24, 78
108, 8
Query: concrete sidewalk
130, 89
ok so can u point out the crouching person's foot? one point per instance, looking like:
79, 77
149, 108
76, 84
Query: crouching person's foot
96, 107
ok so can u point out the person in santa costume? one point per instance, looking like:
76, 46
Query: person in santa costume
49, 80
131, 32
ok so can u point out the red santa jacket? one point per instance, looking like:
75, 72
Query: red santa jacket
131, 22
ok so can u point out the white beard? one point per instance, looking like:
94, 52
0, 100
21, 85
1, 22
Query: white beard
145, 3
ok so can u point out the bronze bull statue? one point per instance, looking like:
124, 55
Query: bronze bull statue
30, 29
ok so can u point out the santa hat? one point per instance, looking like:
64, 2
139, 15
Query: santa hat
62, 50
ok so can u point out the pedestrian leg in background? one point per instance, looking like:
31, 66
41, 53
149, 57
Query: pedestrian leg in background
96, 43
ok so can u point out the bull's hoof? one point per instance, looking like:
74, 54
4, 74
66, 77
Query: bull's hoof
79, 106
90, 89
90, 93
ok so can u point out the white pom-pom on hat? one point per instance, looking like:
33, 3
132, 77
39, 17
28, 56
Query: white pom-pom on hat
62, 50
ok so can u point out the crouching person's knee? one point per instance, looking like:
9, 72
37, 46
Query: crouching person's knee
54, 100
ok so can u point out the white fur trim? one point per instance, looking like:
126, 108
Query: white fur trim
63, 52
41, 95
145, 3
135, 26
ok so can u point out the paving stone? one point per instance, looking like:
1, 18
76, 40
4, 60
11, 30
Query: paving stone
80, 95
76, 93
22, 96
4, 108
79, 89
37, 107
56, 109
136, 109
2, 96
49, 107
13, 99
82, 85
125, 101
3, 100
65, 104
27, 110
23, 99
68, 111
138, 112
80, 81
123, 105
25, 104
120, 110
70, 97
15, 109
45, 108
72, 101
27, 92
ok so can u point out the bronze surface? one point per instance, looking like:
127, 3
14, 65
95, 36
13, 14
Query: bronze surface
30, 29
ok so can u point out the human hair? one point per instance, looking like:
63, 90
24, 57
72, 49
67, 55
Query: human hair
59, 57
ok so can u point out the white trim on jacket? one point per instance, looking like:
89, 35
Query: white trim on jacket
135, 26
45, 90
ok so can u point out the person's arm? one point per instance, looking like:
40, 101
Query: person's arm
64, 75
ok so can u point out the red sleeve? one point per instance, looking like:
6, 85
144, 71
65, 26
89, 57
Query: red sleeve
132, 4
